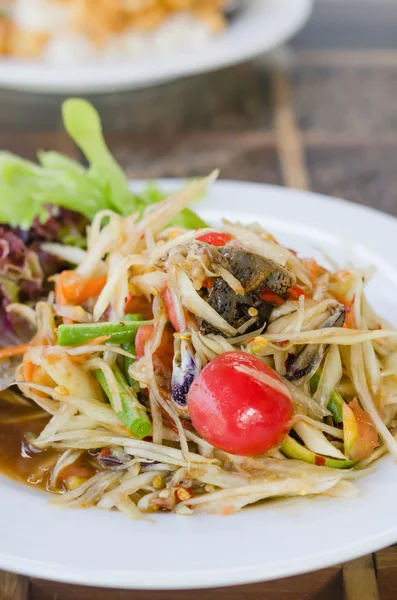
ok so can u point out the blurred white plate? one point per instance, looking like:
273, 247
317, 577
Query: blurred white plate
259, 26
275, 539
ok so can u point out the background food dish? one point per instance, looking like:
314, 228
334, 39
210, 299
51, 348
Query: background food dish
255, 28
215, 556
74, 31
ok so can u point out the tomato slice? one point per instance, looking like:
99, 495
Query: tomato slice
361, 436
237, 412
144, 333
215, 238
170, 308
162, 358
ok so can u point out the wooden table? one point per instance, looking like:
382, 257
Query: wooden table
320, 114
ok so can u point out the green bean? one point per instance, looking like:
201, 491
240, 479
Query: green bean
82, 333
335, 402
132, 317
292, 449
133, 415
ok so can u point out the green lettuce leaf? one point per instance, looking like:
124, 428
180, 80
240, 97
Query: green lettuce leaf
28, 188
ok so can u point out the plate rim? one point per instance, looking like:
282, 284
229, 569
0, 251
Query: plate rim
224, 577
36, 77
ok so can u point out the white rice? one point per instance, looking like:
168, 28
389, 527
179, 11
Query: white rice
179, 32
40, 15
69, 48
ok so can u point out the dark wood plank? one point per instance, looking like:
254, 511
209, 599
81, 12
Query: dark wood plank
239, 156
236, 98
359, 24
321, 585
366, 175
340, 57
352, 100
26, 144
13, 587
288, 136
386, 561
359, 579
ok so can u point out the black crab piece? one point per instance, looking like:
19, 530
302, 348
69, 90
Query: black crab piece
308, 359
253, 272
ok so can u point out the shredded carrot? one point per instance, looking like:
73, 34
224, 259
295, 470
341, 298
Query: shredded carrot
36, 374
340, 298
51, 358
79, 358
41, 377
14, 351
312, 268
59, 295
228, 510
61, 299
76, 290
101, 339
28, 370
350, 322
82, 358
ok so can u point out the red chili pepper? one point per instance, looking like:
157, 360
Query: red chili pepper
215, 238
267, 295
208, 283
319, 460
295, 292
282, 344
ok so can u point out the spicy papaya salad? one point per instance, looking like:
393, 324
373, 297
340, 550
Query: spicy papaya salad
185, 367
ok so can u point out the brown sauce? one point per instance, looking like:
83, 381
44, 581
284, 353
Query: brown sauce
17, 458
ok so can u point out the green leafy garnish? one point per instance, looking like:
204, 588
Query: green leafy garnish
83, 124
27, 188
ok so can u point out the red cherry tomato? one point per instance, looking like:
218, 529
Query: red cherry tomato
215, 238
236, 412
144, 333
169, 307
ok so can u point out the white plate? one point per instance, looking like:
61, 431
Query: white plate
261, 25
274, 540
